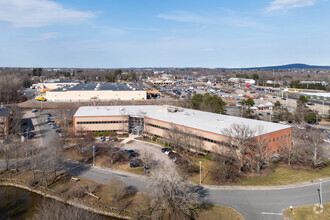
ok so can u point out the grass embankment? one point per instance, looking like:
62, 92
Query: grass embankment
132, 202
220, 212
281, 175
309, 213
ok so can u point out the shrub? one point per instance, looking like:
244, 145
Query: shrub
154, 138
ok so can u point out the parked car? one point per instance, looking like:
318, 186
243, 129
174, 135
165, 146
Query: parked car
54, 126
165, 149
59, 131
310, 103
34, 110
129, 151
107, 138
135, 163
102, 139
29, 135
282, 122
327, 140
114, 139
133, 154
49, 120
283, 98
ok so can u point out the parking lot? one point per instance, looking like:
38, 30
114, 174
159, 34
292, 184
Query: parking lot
155, 150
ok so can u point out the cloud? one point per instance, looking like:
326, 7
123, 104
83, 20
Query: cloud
226, 18
277, 5
44, 36
188, 17
39, 13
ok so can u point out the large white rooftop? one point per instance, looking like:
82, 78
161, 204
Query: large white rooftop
187, 117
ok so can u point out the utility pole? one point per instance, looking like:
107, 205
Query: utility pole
93, 155
321, 192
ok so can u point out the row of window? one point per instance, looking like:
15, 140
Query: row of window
191, 135
101, 122
278, 138
83, 131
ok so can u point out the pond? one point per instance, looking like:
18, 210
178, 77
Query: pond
18, 204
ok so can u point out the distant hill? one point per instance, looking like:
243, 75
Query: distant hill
289, 66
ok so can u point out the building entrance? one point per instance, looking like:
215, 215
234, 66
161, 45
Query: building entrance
136, 125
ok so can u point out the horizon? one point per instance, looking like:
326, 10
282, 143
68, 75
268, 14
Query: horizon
145, 34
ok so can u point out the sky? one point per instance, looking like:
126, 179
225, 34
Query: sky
171, 33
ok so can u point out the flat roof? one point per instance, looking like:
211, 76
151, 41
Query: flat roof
99, 87
61, 81
4, 112
206, 121
319, 94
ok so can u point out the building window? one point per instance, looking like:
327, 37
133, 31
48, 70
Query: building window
278, 138
273, 139
270, 141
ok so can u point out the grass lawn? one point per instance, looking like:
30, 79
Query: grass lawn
219, 212
308, 213
282, 175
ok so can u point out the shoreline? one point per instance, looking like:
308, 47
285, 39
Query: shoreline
70, 201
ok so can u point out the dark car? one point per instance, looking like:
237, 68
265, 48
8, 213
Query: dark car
48, 120
133, 154
129, 151
135, 163
58, 130
165, 149
283, 98
29, 135
114, 139
310, 103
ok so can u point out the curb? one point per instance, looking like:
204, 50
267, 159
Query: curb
278, 187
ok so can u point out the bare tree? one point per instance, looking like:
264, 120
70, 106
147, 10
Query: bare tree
51, 209
5, 152
239, 138
118, 190
15, 120
258, 152
313, 140
173, 196
183, 139
148, 160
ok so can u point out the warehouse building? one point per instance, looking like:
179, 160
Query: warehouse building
155, 120
54, 84
96, 92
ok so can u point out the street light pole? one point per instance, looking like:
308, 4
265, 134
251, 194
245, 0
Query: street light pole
320, 191
200, 172
93, 155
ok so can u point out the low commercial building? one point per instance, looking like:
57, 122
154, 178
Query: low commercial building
96, 92
4, 122
154, 120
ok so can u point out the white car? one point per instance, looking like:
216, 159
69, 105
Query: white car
300, 127
327, 140
107, 138
282, 122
